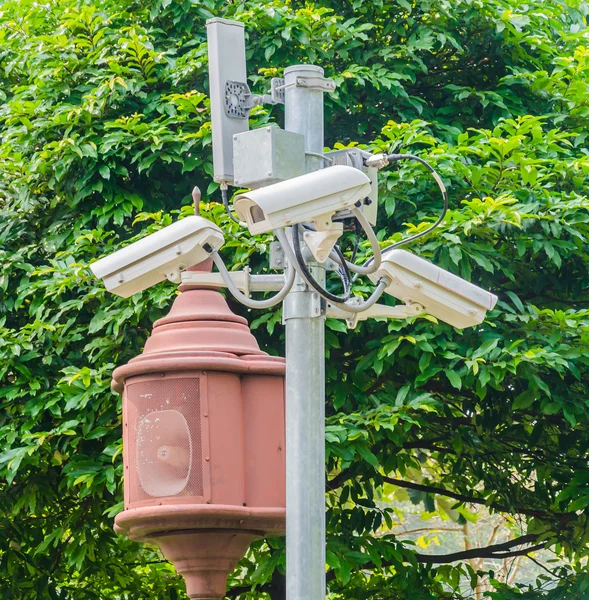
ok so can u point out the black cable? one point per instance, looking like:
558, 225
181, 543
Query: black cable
227, 207
397, 157
296, 242
355, 250
344, 273
357, 241
308, 227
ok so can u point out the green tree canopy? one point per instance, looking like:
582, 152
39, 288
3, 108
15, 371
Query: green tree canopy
104, 122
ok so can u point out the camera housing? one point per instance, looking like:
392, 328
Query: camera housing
164, 254
314, 197
443, 295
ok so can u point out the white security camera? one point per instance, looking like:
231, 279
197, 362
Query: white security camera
442, 294
314, 197
161, 255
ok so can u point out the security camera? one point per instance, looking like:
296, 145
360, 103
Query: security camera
161, 255
442, 294
313, 197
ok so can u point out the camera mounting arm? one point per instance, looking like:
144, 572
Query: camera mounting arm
243, 281
377, 311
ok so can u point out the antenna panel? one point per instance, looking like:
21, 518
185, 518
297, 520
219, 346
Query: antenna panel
226, 71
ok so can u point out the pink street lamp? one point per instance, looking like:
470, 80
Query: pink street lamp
203, 434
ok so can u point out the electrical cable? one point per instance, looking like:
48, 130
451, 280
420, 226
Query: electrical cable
367, 268
288, 251
395, 158
347, 306
381, 286
296, 242
228, 208
337, 256
344, 274
376, 251
356, 241
241, 297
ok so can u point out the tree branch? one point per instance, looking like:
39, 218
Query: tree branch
503, 550
470, 500
420, 529
486, 552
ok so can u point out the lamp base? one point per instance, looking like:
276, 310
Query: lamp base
204, 541
205, 558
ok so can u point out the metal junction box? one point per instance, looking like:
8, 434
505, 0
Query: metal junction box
267, 155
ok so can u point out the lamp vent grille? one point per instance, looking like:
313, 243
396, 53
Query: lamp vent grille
164, 448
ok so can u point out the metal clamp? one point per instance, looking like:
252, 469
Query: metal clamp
277, 90
305, 304
277, 87
277, 257
278, 260
316, 83
239, 100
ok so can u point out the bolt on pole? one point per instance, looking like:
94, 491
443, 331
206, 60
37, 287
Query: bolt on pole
305, 378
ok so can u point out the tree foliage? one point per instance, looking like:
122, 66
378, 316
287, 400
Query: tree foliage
104, 120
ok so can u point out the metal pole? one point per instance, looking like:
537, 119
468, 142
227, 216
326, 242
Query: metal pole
305, 380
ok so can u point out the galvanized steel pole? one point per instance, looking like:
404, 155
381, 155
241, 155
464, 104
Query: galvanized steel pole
305, 377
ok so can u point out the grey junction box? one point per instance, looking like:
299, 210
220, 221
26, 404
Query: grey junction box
267, 155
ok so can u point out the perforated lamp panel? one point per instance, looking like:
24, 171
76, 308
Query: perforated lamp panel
163, 440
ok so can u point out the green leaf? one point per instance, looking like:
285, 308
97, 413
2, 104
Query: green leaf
552, 408
455, 254
336, 325
454, 378
367, 455
485, 348
516, 301
429, 503
524, 400
569, 416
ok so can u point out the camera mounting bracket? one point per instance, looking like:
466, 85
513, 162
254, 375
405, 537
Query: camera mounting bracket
377, 311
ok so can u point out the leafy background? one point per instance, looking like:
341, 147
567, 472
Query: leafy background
104, 121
